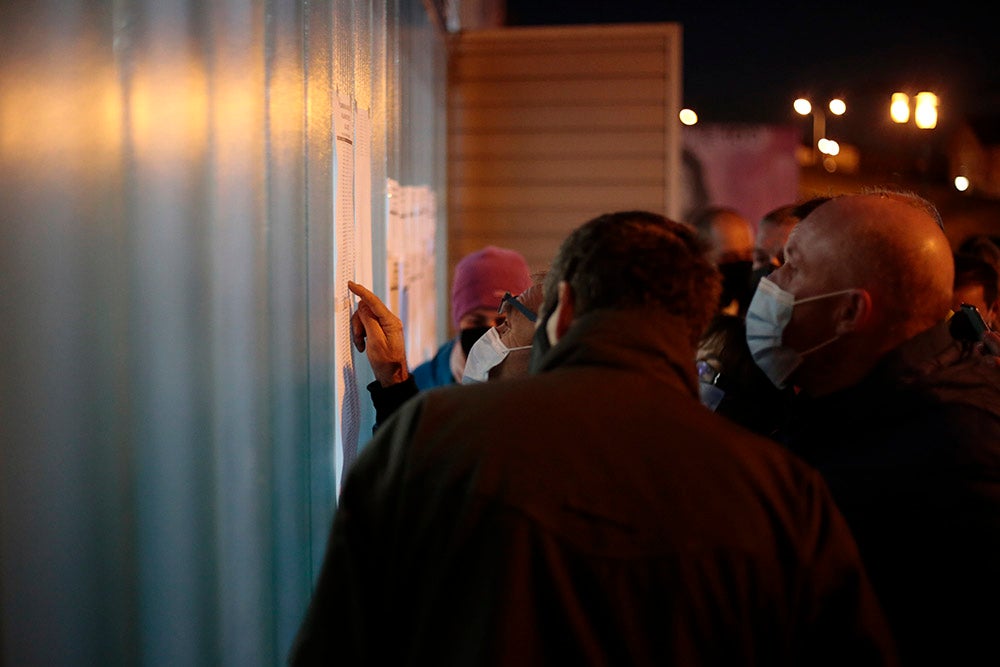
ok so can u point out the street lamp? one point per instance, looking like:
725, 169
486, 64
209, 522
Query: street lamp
804, 107
688, 116
925, 117
925, 113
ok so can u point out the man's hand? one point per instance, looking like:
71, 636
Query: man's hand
376, 331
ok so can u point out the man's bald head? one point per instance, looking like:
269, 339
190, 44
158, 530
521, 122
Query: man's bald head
893, 245
871, 271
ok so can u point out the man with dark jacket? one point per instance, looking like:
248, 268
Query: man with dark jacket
902, 419
592, 512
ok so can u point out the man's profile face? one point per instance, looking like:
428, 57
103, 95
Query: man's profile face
809, 268
515, 329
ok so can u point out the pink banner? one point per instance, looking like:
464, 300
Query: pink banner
751, 168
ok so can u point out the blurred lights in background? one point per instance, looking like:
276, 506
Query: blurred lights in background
828, 147
961, 183
899, 108
688, 116
821, 144
925, 114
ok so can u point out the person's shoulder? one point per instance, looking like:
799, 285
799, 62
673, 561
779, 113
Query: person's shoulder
436, 371
971, 380
756, 451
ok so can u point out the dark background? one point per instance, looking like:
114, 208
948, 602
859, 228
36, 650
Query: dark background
746, 62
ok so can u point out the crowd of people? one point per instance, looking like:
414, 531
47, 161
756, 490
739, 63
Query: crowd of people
704, 442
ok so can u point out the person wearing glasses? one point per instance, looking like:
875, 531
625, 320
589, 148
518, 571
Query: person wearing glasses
480, 280
592, 512
502, 352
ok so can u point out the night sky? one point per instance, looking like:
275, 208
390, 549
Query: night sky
746, 62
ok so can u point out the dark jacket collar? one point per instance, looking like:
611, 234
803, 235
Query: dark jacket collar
643, 339
933, 364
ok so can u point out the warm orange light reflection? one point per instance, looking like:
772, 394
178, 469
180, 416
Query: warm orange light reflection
51, 114
168, 105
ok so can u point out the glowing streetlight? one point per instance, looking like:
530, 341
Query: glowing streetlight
804, 107
925, 113
688, 116
899, 108
828, 147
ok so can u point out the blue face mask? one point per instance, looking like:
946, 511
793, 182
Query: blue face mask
710, 394
769, 313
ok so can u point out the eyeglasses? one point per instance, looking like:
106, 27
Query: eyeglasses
707, 372
508, 298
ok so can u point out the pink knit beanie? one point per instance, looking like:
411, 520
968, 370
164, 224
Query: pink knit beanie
481, 278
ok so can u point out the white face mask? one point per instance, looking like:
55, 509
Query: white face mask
485, 355
769, 312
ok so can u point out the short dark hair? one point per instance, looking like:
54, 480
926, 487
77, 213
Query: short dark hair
983, 246
635, 259
974, 270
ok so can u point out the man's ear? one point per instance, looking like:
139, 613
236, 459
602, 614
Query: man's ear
563, 315
855, 313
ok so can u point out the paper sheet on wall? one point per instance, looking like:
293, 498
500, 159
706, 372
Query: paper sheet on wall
345, 382
363, 198
420, 279
410, 266
393, 244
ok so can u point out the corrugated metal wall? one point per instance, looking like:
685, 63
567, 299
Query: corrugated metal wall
167, 227
549, 127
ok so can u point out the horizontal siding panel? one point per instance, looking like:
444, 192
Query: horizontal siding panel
535, 233
527, 65
561, 145
622, 36
549, 127
551, 235
614, 116
604, 197
524, 221
631, 90
538, 252
556, 171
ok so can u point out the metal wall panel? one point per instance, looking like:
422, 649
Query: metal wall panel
167, 234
